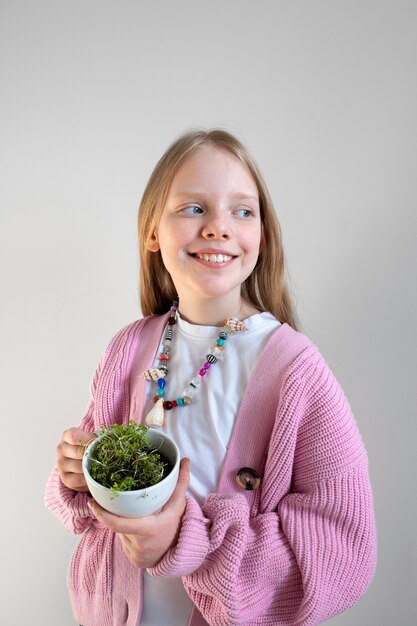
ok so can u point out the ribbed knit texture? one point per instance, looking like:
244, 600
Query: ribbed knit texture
293, 553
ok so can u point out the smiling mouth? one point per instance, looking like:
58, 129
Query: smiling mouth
214, 258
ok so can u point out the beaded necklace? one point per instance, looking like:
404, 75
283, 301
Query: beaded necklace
158, 374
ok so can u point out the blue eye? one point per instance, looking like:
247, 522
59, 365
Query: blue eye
192, 210
244, 212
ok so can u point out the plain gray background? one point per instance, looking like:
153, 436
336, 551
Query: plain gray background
92, 92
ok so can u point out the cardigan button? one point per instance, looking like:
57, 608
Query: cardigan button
248, 478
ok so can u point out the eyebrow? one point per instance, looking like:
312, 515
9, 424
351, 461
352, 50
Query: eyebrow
200, 194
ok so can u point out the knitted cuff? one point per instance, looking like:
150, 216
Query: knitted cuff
192, 546
68, 505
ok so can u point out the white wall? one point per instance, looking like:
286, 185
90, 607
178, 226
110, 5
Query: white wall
324, 93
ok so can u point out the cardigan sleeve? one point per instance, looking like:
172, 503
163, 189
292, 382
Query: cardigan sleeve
312, 552
68, 505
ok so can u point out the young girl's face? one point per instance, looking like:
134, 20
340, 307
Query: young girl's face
210, 229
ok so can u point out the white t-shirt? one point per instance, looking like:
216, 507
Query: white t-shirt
203, 429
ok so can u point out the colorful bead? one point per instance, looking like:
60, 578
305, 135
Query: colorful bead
164, 357
223, 334
211, 358
218, 353
187, 400
167, 405
180, 401
171, 321
220, 341
161, 383
160, 393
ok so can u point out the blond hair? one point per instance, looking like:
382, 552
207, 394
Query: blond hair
266, 287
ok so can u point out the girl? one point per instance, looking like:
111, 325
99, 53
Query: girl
272, 520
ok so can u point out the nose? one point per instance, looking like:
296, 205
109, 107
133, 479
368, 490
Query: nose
216, 227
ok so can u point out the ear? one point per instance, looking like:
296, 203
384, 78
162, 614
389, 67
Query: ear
153, 244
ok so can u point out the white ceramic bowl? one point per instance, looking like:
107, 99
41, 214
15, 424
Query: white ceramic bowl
143, 501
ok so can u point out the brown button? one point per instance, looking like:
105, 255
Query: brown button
248, 478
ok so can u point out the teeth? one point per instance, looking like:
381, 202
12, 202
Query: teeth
214, 258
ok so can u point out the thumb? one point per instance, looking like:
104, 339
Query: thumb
180, 490
184, 474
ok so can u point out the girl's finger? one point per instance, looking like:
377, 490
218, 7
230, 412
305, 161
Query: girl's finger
115, 523
182, 484
77, 437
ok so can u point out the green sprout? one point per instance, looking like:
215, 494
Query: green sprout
124, 459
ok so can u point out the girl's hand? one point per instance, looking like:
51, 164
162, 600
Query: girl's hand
69, 454
145, 540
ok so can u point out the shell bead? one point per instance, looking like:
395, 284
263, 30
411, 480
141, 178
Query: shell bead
235, 325
154, 373
155, 416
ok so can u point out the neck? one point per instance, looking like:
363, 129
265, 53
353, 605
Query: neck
214, 312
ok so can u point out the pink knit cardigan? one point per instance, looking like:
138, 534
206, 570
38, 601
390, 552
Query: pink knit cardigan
296, 551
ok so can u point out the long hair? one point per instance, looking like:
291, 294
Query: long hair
266, 287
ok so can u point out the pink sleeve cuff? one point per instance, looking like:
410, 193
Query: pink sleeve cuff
68, 505
192, 546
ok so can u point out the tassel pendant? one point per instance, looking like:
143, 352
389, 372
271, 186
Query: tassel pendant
155, 416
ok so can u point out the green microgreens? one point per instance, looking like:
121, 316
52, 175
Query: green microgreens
124, 460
